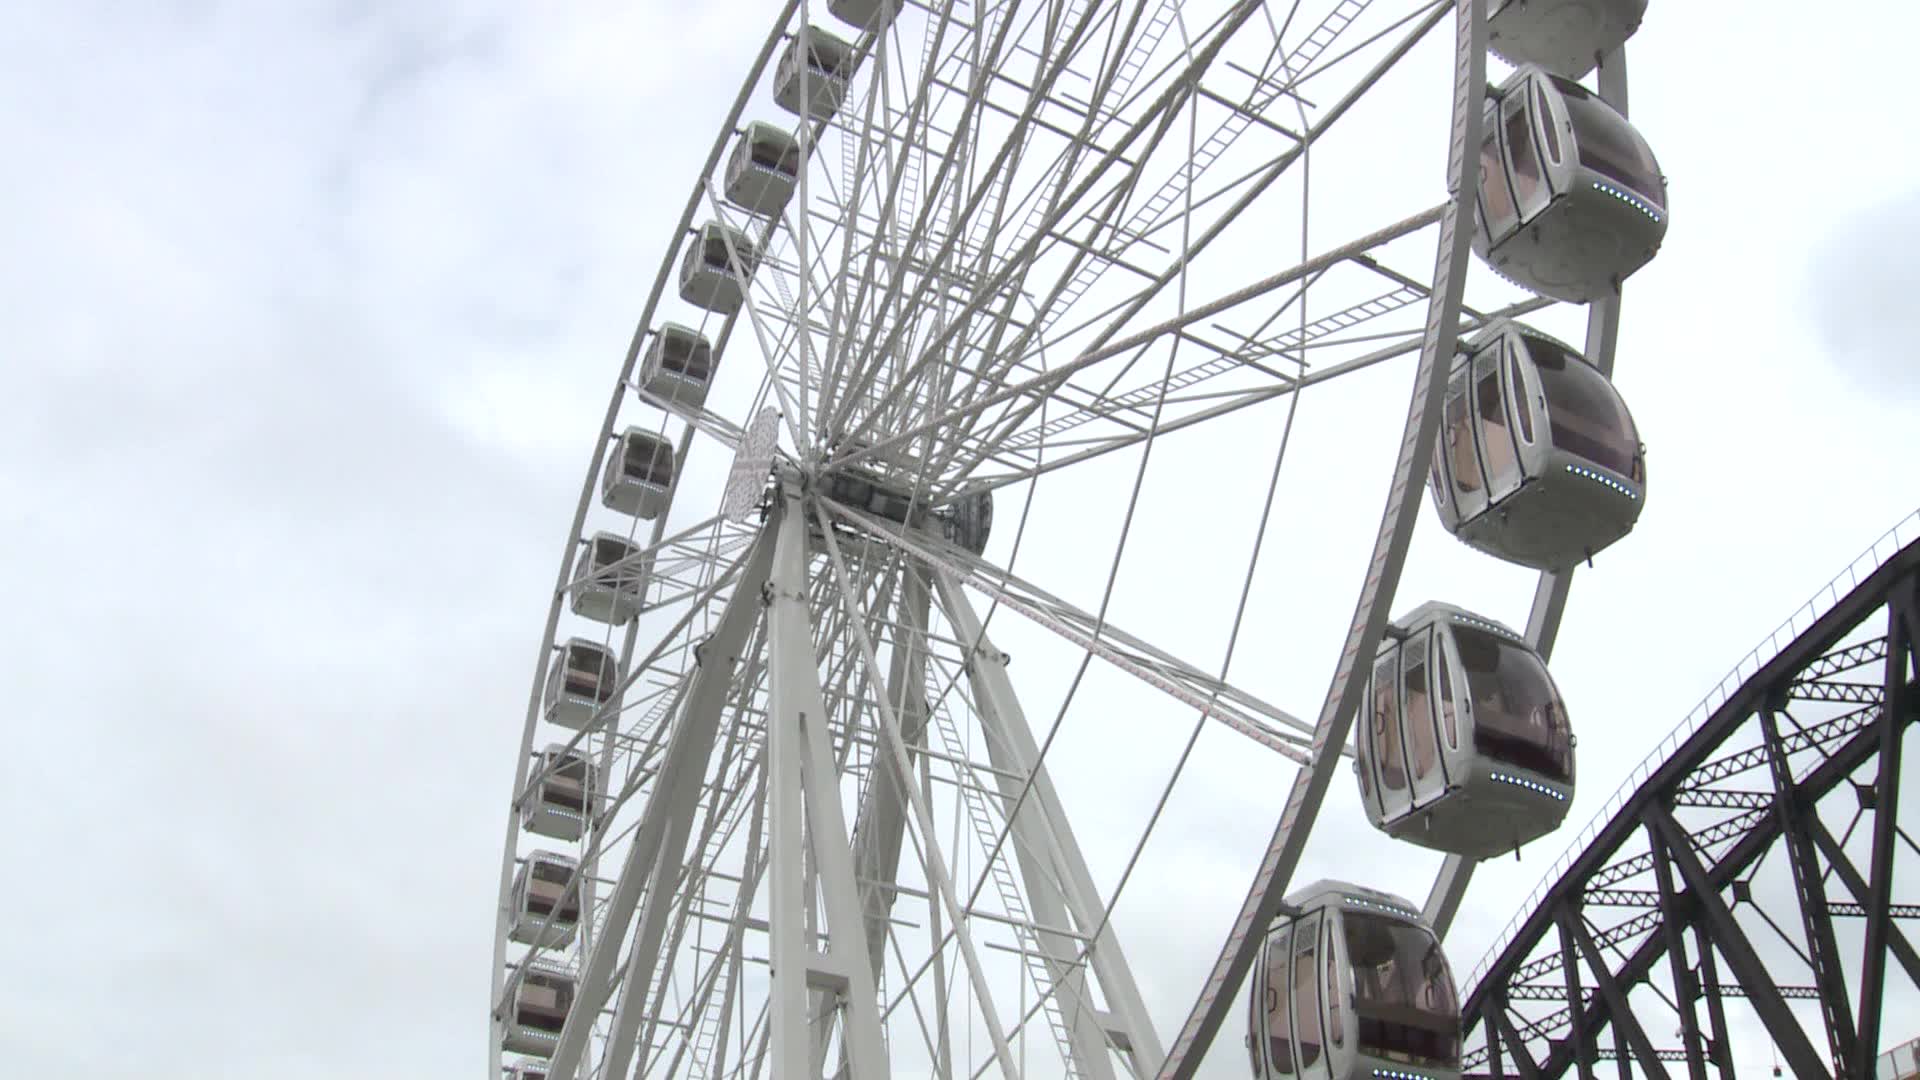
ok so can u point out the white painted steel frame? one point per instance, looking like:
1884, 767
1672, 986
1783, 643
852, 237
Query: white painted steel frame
800, 772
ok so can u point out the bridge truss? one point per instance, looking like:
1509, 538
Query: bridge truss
1743, 888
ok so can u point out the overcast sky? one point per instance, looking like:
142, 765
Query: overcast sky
309, 314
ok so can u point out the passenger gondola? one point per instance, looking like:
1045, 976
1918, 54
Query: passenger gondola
546, 901
638, 476
677, 367
865, 491
829, 68
559, 798
581, 679
534, 1009
1538, 461
527, 1070
874, 15
609, 579
715, 267
1572, 201
968, 521
1565, 37
1463, 745
1352, 985
762, 169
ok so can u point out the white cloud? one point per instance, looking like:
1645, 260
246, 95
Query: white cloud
312, 314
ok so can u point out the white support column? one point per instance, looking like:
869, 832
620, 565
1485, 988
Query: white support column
1058, 881
659, 844
881, 828
803, 790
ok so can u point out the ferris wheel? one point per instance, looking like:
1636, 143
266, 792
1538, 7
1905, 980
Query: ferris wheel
782, 806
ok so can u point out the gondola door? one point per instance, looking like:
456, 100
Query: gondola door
1424, 767
1310, 1048
1336, 994
1530, 191
1497, 450
1462, 460
1276, 1010
1383, 733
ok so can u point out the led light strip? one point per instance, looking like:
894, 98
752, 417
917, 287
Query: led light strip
1529, 785
1630, 199
1395, 1074
1483, 624
1393, 908
1603, 481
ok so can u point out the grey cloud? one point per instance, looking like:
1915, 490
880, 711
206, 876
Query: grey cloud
1863, 279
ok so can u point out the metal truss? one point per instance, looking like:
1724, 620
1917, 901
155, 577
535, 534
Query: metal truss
1751, 868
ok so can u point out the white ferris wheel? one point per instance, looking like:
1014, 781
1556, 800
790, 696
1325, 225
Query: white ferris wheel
783, 808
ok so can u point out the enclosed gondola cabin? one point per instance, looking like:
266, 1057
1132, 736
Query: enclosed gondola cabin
829, 64
638, 476
559, 795
677, 367
1352, 984
865, 491
1566, 37
762, 169
968, 521
533, 1009
581, 679
1538, 461
546, 901
609, 579
1571, 200
873, 15
527, 1070
715, 267
1463, 742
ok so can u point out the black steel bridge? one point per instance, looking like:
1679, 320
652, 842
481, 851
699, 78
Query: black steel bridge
1740, 889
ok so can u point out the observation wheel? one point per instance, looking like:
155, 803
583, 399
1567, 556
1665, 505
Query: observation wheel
995, 328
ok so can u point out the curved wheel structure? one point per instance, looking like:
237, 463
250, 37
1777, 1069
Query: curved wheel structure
1739, 889
780, 802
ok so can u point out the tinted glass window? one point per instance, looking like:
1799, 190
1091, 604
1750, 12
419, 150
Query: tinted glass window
714, 250
1386, 728
1529, 186
686, 354
1335, 992
551, 871
1518, 718
1403, 992
1306, 991
1609, 145
1279, 1017
1522, 395
1547, 124
608, 552
1584, 412
772, 154
1495, 441
1461, 460
1495, 195
1443, 668
649, 460
1419, 723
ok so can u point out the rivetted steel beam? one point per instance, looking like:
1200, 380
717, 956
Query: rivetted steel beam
1733, 944
1815, 920
1903, 626
1625, 1024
